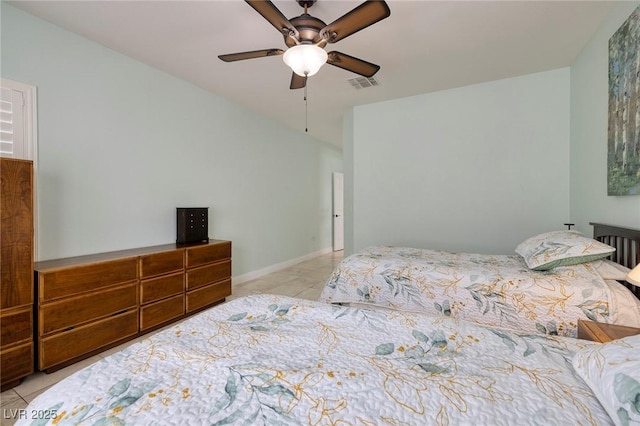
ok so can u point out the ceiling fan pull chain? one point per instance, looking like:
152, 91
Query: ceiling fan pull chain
306, 107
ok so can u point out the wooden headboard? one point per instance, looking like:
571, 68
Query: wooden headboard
627, 244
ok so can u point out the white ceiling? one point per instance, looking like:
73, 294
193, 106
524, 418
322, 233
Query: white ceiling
424, 46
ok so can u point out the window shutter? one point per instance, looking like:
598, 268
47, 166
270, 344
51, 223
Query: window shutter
12, 129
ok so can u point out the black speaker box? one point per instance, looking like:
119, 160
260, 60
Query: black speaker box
192, 224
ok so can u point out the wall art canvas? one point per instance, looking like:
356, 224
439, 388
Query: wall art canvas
623, 157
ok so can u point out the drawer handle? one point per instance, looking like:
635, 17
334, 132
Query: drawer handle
68, 329
119, 312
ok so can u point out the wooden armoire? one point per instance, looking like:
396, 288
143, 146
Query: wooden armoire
16, 285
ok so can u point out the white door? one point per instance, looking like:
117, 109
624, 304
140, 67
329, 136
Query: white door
338, 211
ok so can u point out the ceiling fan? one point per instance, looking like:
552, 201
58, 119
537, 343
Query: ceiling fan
306, 37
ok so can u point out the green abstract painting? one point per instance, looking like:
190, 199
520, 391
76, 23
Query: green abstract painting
623, 157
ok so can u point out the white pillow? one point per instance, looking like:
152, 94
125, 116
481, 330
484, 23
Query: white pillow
627, 306
612, 371
610, 270
561, 248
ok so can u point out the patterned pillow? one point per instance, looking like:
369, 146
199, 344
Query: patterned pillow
561, 248
612, 371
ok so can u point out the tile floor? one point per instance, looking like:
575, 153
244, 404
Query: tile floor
304, 280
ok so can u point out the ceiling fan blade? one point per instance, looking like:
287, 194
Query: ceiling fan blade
368, 13
272, 14
350, 63
250, 55
297, 82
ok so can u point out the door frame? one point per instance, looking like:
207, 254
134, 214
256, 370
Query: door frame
337, 220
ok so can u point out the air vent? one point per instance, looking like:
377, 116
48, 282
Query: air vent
363, 82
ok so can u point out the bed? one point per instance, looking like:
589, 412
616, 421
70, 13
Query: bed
267, 359
558, 278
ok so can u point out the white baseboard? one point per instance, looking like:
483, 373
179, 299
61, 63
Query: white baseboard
273, 268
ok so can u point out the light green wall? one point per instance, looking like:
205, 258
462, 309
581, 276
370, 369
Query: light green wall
121, 145
481, 167
477, 169
589, 123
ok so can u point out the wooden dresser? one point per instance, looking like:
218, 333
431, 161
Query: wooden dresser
16, 285
90, 303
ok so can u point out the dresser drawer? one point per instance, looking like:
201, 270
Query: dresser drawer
200, 255
204, 296
65, 346
161, 263
161, 312
16, 362
16, 327
69, 281
59, 315
209, 274
161, 287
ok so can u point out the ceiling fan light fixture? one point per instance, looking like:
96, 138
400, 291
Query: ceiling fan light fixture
305, 59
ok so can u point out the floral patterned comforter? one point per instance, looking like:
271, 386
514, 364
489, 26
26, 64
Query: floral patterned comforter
277, 360
495, 290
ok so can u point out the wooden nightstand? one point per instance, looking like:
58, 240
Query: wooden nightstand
600, 332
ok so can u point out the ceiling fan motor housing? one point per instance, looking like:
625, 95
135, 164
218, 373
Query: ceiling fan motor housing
308, 30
